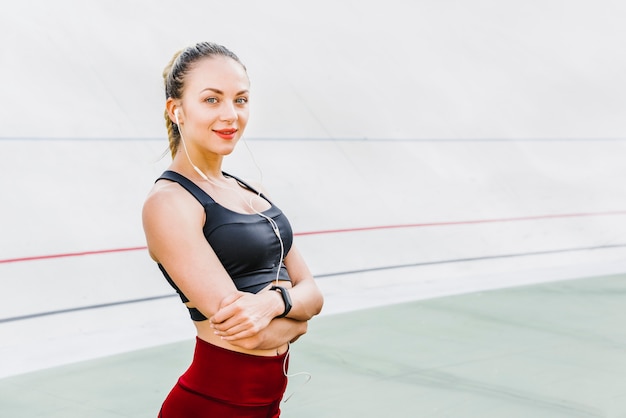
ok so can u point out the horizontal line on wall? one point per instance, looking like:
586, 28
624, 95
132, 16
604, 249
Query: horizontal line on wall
469, 259
325, 276
343, 230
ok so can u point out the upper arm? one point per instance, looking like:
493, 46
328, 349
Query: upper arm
173, 221
296, 266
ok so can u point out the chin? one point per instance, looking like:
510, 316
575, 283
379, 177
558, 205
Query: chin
227, 150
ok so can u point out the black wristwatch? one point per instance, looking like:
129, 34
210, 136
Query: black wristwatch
283, 292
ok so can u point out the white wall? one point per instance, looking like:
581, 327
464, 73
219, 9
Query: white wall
324, 69
364, 114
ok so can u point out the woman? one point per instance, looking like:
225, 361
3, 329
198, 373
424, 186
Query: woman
224, 247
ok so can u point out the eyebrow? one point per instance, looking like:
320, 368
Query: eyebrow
218, 91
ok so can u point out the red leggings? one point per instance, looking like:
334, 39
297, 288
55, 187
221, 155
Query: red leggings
222, 383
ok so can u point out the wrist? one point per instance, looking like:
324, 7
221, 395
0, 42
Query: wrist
285, 298
278, 306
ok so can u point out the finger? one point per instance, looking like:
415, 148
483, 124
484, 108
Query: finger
226, 312
245, 328
235, 317
247, 333
231, 298
224, 326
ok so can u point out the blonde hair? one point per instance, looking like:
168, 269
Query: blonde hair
174, 79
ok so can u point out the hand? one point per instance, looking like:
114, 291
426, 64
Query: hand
243, 315
278, 333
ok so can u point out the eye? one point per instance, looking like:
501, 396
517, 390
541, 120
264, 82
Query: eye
211, 100
241, 100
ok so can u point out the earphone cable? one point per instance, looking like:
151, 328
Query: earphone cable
249, 202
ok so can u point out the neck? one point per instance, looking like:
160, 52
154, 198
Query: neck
199, 167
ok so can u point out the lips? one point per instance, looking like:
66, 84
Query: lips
226, 133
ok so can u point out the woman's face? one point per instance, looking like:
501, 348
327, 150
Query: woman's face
214, 107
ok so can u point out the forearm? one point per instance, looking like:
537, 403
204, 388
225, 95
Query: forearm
243, 316
306, 299
278, 333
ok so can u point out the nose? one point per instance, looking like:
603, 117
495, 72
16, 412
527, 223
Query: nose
228, 112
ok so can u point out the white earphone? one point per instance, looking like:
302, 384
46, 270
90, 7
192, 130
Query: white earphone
182, 139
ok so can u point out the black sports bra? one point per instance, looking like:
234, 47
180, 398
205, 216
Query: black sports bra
245, 244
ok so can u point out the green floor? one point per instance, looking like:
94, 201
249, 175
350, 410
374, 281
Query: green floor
552, 350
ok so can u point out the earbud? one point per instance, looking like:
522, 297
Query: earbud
176, 116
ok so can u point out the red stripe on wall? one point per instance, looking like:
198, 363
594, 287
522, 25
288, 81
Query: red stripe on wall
344, 230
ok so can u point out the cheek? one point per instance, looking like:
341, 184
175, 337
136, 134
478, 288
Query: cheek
243, 117
202, 118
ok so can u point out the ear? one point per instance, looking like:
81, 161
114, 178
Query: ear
173, 108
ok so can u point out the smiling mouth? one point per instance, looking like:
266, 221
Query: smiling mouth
226, 134
226, 131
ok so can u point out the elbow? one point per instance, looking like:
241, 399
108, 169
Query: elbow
310, 304
314, 307
318, 305
303, 327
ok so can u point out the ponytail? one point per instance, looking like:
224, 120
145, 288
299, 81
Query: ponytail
173, 134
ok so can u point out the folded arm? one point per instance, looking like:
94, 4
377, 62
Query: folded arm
177, 242
244, 316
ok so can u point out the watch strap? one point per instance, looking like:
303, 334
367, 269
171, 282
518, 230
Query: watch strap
286, 299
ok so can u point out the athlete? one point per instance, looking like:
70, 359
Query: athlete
225, 247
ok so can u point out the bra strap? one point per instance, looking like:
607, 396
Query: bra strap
200, 195
247, 186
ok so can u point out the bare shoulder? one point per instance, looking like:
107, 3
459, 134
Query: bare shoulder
168, 202
166, 194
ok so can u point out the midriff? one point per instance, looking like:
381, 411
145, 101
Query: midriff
206, 333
